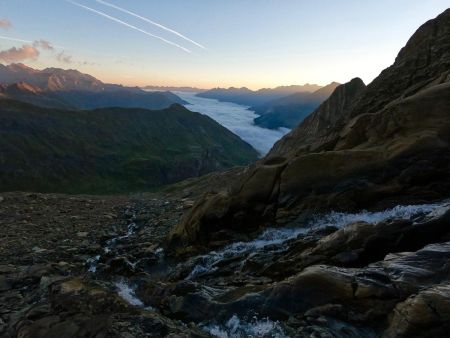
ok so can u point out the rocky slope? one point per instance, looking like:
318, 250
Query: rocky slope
360, 149
110, 150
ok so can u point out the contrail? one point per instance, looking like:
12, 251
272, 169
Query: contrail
150, 21
128, 25
14, 39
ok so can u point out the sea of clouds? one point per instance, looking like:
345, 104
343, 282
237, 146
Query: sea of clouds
236, 118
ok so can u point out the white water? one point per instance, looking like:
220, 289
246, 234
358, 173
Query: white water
127, 293
237, 328
277, 236
236, 118
110, 244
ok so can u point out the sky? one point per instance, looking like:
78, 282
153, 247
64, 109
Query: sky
208, 43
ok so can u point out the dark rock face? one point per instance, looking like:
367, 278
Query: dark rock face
319, 124
363, 148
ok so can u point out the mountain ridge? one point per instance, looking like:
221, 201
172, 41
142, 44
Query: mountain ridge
289, 111
110, 150
60, 88
245, 96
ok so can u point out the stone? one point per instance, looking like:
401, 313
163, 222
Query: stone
426, 314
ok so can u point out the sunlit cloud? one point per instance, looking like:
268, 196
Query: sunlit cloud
151, 22
26, 52
5, 24
128, 25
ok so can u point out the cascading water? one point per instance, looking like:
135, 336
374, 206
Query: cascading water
125, 291
273, 238
237, 328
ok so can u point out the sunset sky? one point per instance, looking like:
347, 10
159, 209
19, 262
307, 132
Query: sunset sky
253, 43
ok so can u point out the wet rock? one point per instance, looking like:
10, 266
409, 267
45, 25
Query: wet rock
362, 243
426, 314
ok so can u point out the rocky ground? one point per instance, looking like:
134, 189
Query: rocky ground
84, 266
46, 289
50, 242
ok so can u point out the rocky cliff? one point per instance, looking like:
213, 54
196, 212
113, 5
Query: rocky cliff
363, 148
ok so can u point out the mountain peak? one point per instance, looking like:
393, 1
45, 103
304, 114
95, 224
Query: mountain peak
423, 59
21, 67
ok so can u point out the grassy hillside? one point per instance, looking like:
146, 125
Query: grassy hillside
110, 150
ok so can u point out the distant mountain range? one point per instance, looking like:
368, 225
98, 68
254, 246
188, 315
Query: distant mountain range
110, 150
284, 106
291, 110
59, 88
249, 97
174, 89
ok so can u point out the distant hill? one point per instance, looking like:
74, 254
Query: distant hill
59, 88
110, 150
290, 110
249, 97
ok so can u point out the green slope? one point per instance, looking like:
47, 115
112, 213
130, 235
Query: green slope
110, 150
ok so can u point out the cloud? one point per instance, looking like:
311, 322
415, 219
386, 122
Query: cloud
151, 22
64, 58
43, 44
238, 119
5, 24
26, 52
128, 25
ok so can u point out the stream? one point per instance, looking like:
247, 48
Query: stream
271, 240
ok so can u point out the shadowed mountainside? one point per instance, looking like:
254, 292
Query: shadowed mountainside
249, 97
289, 111
110, 150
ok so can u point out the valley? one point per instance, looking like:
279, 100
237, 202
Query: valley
237, 118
